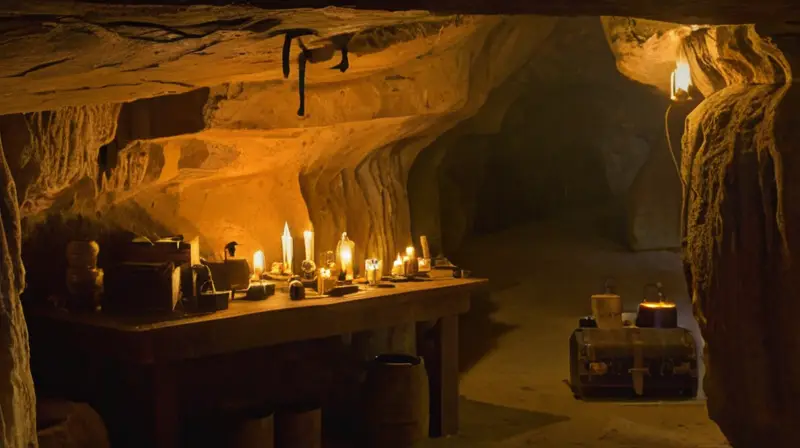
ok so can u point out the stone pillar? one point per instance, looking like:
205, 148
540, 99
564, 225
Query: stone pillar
741, 225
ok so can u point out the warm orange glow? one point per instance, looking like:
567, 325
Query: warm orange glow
410, 251
681, 80
424, 264
258, 263
658, 304
325, 273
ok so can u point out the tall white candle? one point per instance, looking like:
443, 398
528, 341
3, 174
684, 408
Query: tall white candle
258, 264
308, 239
288, 248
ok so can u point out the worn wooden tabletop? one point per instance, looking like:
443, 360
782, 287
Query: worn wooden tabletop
245, 324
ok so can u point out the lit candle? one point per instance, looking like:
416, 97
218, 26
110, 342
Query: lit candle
410, 261
426, 251
258, 264
373, 268
410, 252
308, 239
398, 267
288, 249
322, 280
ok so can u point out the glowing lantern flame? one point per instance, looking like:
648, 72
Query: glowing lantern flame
681, 80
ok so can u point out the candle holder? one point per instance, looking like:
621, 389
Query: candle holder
324, 281
373, 270
424, 264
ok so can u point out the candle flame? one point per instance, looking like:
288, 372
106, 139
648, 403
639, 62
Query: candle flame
286, 229
258, 261
398, 261
410, 251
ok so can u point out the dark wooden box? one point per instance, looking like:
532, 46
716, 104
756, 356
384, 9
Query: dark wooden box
142, 287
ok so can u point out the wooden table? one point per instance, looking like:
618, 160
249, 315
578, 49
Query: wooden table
163, 344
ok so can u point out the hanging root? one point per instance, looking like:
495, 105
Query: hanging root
345, 63
302, 60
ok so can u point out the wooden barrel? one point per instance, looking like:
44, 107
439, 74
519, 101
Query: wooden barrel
299, 427
256, 431
396, 402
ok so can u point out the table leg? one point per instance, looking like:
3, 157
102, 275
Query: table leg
166, 413
442, 366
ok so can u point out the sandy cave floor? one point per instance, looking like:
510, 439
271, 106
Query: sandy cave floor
515, 344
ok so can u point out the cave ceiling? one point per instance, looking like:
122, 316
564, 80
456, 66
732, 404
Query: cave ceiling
57, 54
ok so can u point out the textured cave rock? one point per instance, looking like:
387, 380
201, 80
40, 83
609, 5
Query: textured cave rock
741, 231
17, 396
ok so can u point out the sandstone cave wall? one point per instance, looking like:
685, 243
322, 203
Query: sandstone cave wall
567, 131
234, 161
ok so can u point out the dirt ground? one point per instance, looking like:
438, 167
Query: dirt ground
515, 344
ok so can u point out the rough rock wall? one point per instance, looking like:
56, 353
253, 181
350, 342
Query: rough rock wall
17, 397
741, 229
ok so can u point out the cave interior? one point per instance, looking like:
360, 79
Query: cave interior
548, 148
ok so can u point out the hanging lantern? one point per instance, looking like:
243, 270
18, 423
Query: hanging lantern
681, 80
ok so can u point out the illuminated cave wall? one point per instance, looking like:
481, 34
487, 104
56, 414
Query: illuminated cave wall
234, 161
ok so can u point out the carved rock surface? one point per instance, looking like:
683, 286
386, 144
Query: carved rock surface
741, 233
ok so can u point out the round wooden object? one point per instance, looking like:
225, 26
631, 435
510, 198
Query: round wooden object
299, 428
255, 433
396, 402
82, 254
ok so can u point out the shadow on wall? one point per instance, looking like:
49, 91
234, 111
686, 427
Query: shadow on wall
45, 243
